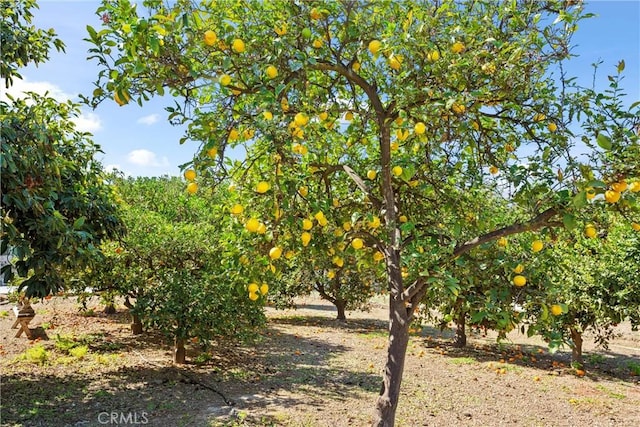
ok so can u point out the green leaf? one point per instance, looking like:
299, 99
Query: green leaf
78, 223
569, 221
621, 66
596, 184
580, 199
604, 141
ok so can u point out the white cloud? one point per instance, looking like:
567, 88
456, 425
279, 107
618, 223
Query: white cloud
149, 120
146, 158
85, 122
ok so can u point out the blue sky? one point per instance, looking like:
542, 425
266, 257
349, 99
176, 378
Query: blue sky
140, 142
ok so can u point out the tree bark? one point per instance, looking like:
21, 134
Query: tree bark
110, 308
180, 353
340, 306
460, 340
576, 350
392, 377
136, 324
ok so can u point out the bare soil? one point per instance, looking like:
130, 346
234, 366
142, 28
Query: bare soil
306, 370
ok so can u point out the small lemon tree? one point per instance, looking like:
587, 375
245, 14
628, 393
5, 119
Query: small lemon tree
437, 99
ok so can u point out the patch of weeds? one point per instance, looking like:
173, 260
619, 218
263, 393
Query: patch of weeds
462, 361
105, 359
99, 394
594, 359
373, 334
4, 313
65, 343
610, 393
634, 368
79, 352
88, 313
36, 354
46, 325
202, 358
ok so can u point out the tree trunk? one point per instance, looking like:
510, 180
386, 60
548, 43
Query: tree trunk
460, 340
576, 349
179, 355
392, 377
110, 308
340, 305
136, 324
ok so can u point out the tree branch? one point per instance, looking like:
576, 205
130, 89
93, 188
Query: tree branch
541, 220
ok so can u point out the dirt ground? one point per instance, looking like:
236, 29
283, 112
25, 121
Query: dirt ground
306, 370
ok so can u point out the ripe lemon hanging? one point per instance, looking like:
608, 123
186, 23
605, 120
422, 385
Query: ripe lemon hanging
189, 174
357, 243
537, 246
519, 281
275, 253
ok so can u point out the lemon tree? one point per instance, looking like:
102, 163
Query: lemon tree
436, 99
178, 267
585, 283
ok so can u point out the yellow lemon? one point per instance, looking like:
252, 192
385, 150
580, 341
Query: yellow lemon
458, 108
556, 310
306, 238
346, 226
403, 218
374, 46
282, 30
395, 62
253, 296
304, 190
493, 170
253, 287
433, 56
315, 14
210, 38
233, 135
357, 243
519, 281
275, 252
518, 269
552, 127
272, 72
317, 43
591, 193
502, 242
375, 222
192, 188
301, 119
397, 170
190, 174
261, 228
262, 187
612, 196
538, 117
237, 209
420, 128
635, 226
307, 224
264, 288
378, 256
371, 174
120, 101
355, 66
458, 47
238, 46
634, 187
323, 116
348, 116
338, 261
590, 231
252, 225
619, 186
267, 115
212, 152
331, 274
537, 246
225, 80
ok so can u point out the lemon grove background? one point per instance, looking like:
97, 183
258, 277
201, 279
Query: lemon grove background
140, 141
